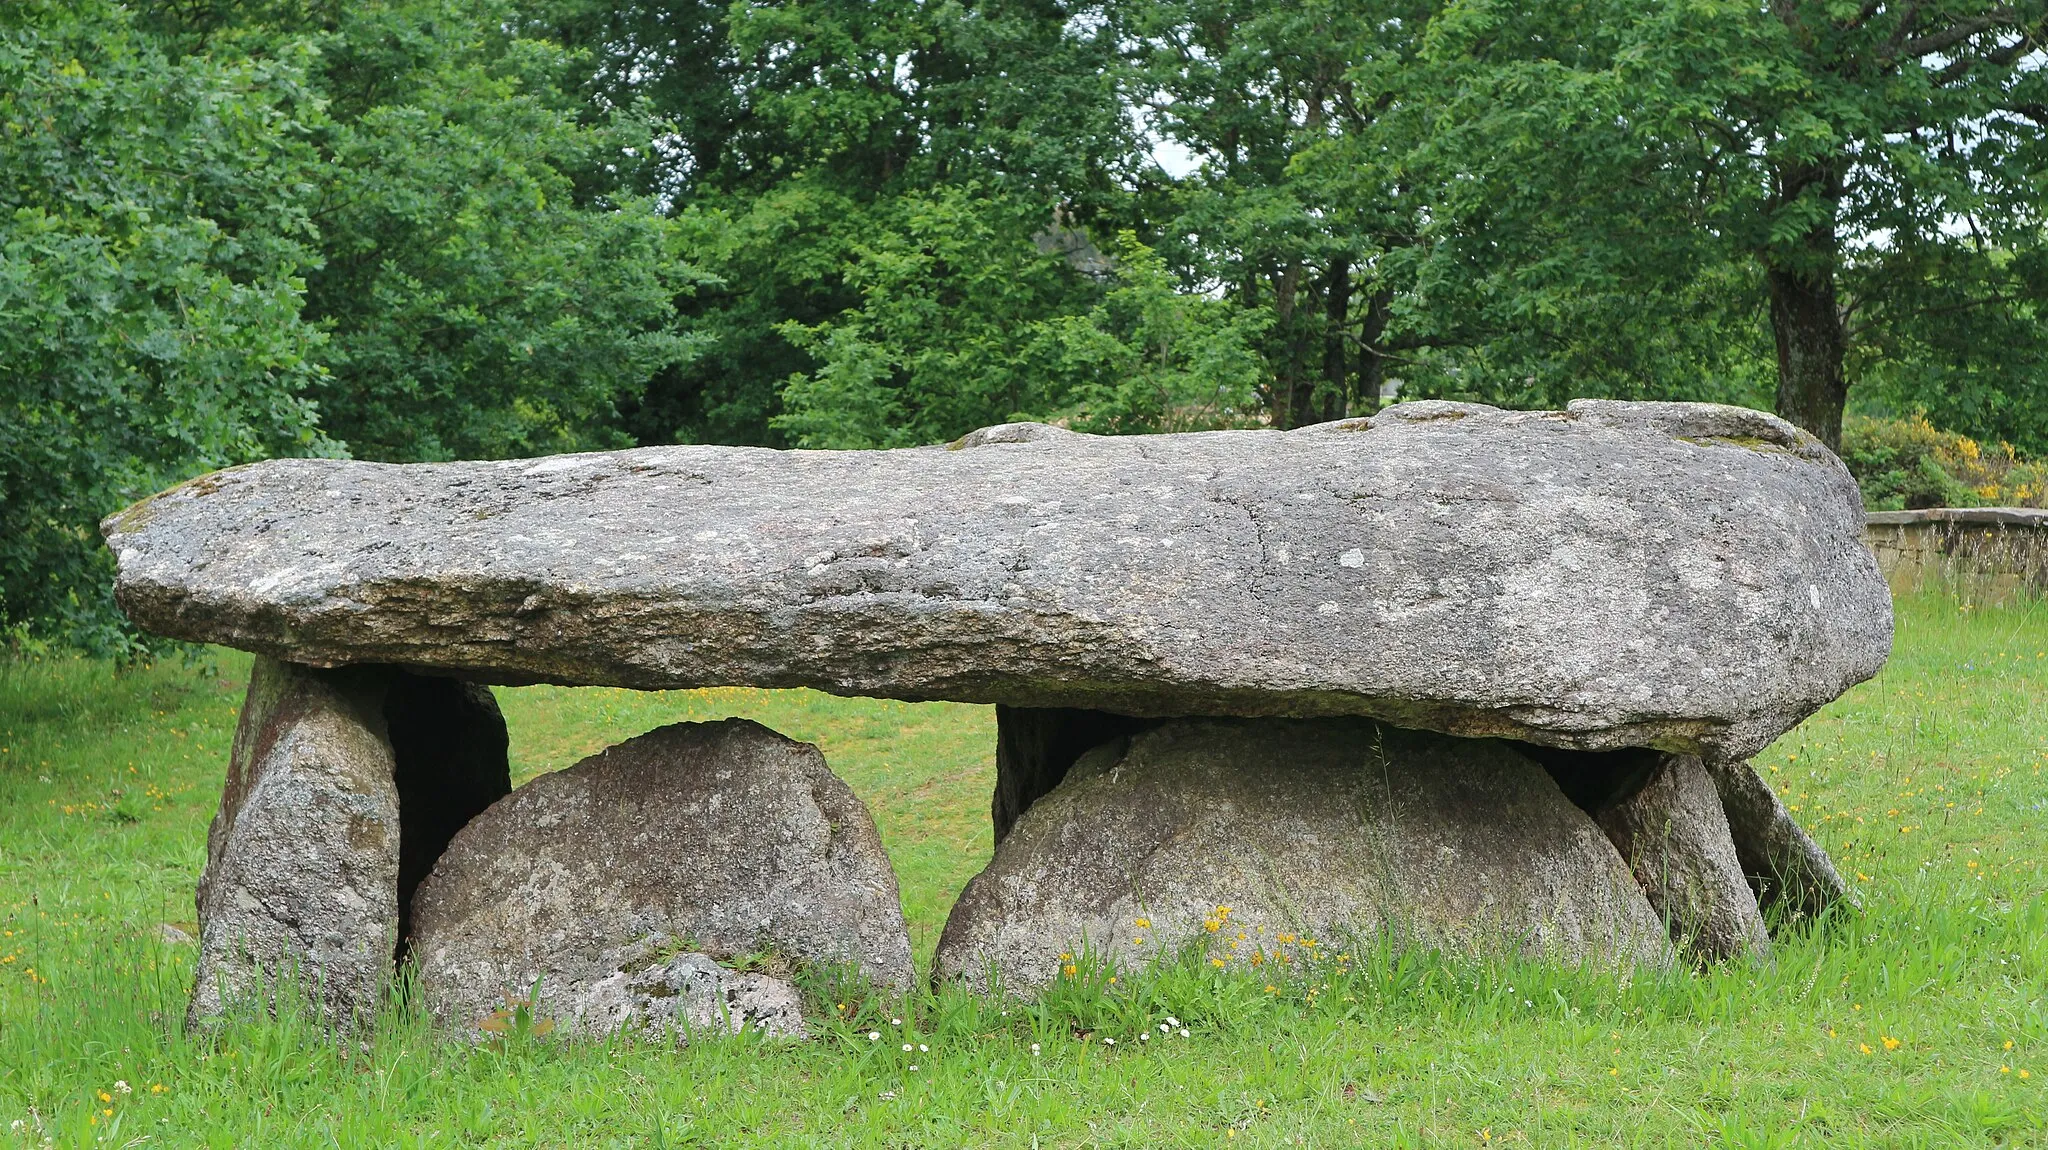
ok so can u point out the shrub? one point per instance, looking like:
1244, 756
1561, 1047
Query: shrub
1909, 464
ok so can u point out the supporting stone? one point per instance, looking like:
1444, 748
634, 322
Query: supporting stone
301, 880
1316, 835
1035, 746
339, 780
608, 896
1673, 834
1791, 874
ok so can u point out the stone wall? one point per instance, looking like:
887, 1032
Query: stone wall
1987, 554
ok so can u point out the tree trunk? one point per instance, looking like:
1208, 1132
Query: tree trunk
1805, 321
1328, 401
1286, 374
1808, 328
1372, 362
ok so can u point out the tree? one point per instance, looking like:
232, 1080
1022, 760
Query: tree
1294, 209
961, 326
153, 231
1829, 144
819, 146
1958, 333
490, 282
479, 303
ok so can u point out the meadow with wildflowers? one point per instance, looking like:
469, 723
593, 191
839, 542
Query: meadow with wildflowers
1917, 1021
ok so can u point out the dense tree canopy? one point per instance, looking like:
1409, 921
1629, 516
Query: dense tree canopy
151, 324
1843, 151
422, 229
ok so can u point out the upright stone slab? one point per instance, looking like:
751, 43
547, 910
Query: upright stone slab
338, 780
630, 889
301, 879
1791, 874
1673, 834
1339, 831
1681, 576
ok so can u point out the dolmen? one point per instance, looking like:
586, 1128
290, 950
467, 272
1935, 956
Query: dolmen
1450, 676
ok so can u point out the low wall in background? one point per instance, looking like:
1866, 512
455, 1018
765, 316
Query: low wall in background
1982, 553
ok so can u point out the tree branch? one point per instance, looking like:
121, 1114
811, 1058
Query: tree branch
1955, 34
1966, 305
1997, 58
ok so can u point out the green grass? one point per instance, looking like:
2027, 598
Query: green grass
1925, 783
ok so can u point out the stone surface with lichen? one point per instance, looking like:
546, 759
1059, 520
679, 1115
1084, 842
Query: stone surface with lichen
1684, 576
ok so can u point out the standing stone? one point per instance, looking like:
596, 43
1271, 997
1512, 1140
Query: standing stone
301, 879
631, 888
336, 780
1790, 872
1672, 833
1332, 830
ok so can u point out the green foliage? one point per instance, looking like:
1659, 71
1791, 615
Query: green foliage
824, 156
959, 327
478, 304
486, 286
1298, 209
948, 286
238, 230
1960, 335
1151, 357
153, 234
1835, 151
1909, 463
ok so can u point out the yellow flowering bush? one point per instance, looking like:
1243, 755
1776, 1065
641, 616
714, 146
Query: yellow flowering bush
1910, 463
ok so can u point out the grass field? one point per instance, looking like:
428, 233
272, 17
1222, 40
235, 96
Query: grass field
1917, 1022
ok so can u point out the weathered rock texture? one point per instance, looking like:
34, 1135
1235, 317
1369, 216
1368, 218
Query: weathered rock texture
614, 883
1672, 833
1791, 874
1684, 576
307, 856
688, 994
301, 879
1331, 829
